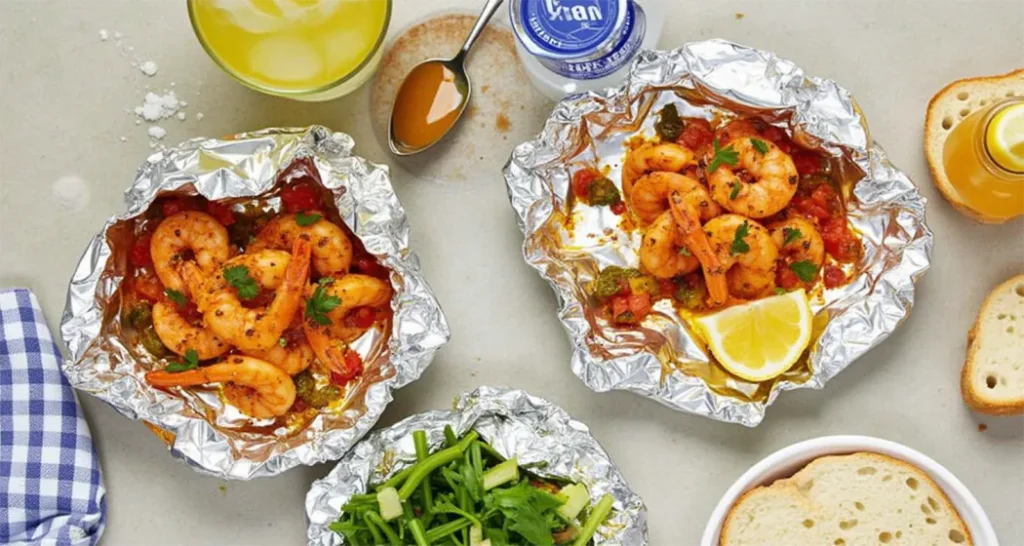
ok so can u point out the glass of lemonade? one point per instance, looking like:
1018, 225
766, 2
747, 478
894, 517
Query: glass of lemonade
311, 50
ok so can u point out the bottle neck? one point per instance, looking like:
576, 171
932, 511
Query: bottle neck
980, 142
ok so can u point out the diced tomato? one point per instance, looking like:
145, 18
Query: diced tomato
839, 240
624, 289
149, 287
582, 180
620, 305
353, 368
363, 317
779, 137
190, 313
807, 162
175, 205
696, 134
300, 197
221, 212
368, 265
299, 405
139, 254
786, 278
821, 204
640, 305
834, 276
666, 287
263, 298
619, 207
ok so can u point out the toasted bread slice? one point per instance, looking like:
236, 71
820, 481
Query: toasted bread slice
851, 500
992, 380
952, 104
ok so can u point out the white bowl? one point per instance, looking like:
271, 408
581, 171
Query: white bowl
788, 460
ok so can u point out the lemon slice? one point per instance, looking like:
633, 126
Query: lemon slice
1004, 138
762, 339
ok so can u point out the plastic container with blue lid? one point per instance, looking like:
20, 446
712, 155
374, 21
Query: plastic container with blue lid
571, 46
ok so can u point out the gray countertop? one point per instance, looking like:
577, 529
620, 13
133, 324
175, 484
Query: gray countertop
63, 168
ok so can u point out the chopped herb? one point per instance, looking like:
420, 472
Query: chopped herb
790, 235
779, 291
805, 270
739, 246
759, 145
190, 362
727, 156
304, 219
319, 304
243, 283
669, 125
684, 251
603, 192
735, 190
282, 342
177, 297
324, 281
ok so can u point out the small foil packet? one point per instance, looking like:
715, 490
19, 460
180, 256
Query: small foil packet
200, 429
544, 438
662, 358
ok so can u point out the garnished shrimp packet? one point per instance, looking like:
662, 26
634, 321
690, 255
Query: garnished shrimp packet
212, 307
715, 176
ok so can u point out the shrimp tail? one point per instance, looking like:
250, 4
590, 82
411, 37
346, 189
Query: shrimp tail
697, 242
188, 378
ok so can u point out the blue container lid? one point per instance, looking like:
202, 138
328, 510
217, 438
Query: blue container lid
566, 29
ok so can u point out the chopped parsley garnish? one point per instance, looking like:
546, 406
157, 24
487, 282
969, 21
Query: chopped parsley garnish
779, 291
735, 190
319, 304
178, 298
304, 219
243, 283
190, 362
791, 234
739, 246
685, 251
759, 145
727, 156
805, 270
282, 342
669, 125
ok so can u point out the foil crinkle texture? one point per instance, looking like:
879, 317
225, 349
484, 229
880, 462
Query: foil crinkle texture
705, 79
542, 436
248, 165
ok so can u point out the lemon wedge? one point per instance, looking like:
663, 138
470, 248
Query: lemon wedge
1004, 138
762, 339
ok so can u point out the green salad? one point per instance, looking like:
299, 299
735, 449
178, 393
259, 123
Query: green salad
467, 494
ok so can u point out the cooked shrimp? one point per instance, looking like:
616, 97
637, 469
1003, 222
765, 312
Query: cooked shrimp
687, 217
332, 250
330, 340
180, 336
748, 261
256, 329
666, 156
804, 241
650, 195
663, 253
292, 358
184, 236
257, 388
766, 184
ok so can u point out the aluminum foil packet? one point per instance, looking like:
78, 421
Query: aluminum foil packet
662, 358
201, 430
544, 438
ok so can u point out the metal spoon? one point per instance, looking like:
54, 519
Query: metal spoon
457, 65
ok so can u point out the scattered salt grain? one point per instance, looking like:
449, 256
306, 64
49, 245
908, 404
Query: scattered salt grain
117, 35
124, 139
157, 132
104, 34
71, 193
181, 116
156, 107
200, 116
148, 68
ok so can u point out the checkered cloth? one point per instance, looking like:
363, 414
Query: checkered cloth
51, 491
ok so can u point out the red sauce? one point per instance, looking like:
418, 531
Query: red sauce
785, 277
221, 212
697, 134
834, 276
300, 197
581, 182
139, 254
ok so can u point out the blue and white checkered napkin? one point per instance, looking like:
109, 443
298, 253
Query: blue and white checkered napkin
51, 490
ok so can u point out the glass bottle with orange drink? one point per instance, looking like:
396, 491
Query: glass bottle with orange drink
984, 159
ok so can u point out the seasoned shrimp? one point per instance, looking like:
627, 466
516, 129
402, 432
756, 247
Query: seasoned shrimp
292, 358
179, 336
257, 388
256, 329
332, 250
667, 156
650, 195
687, 217
330, 340
747, 258
663, 253
184, 236
766, 184
798, 240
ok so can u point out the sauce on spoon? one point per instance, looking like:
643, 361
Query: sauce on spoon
428, 104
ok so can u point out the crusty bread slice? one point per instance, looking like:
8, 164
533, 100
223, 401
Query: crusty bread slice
952, 104
992, 380
847, 500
